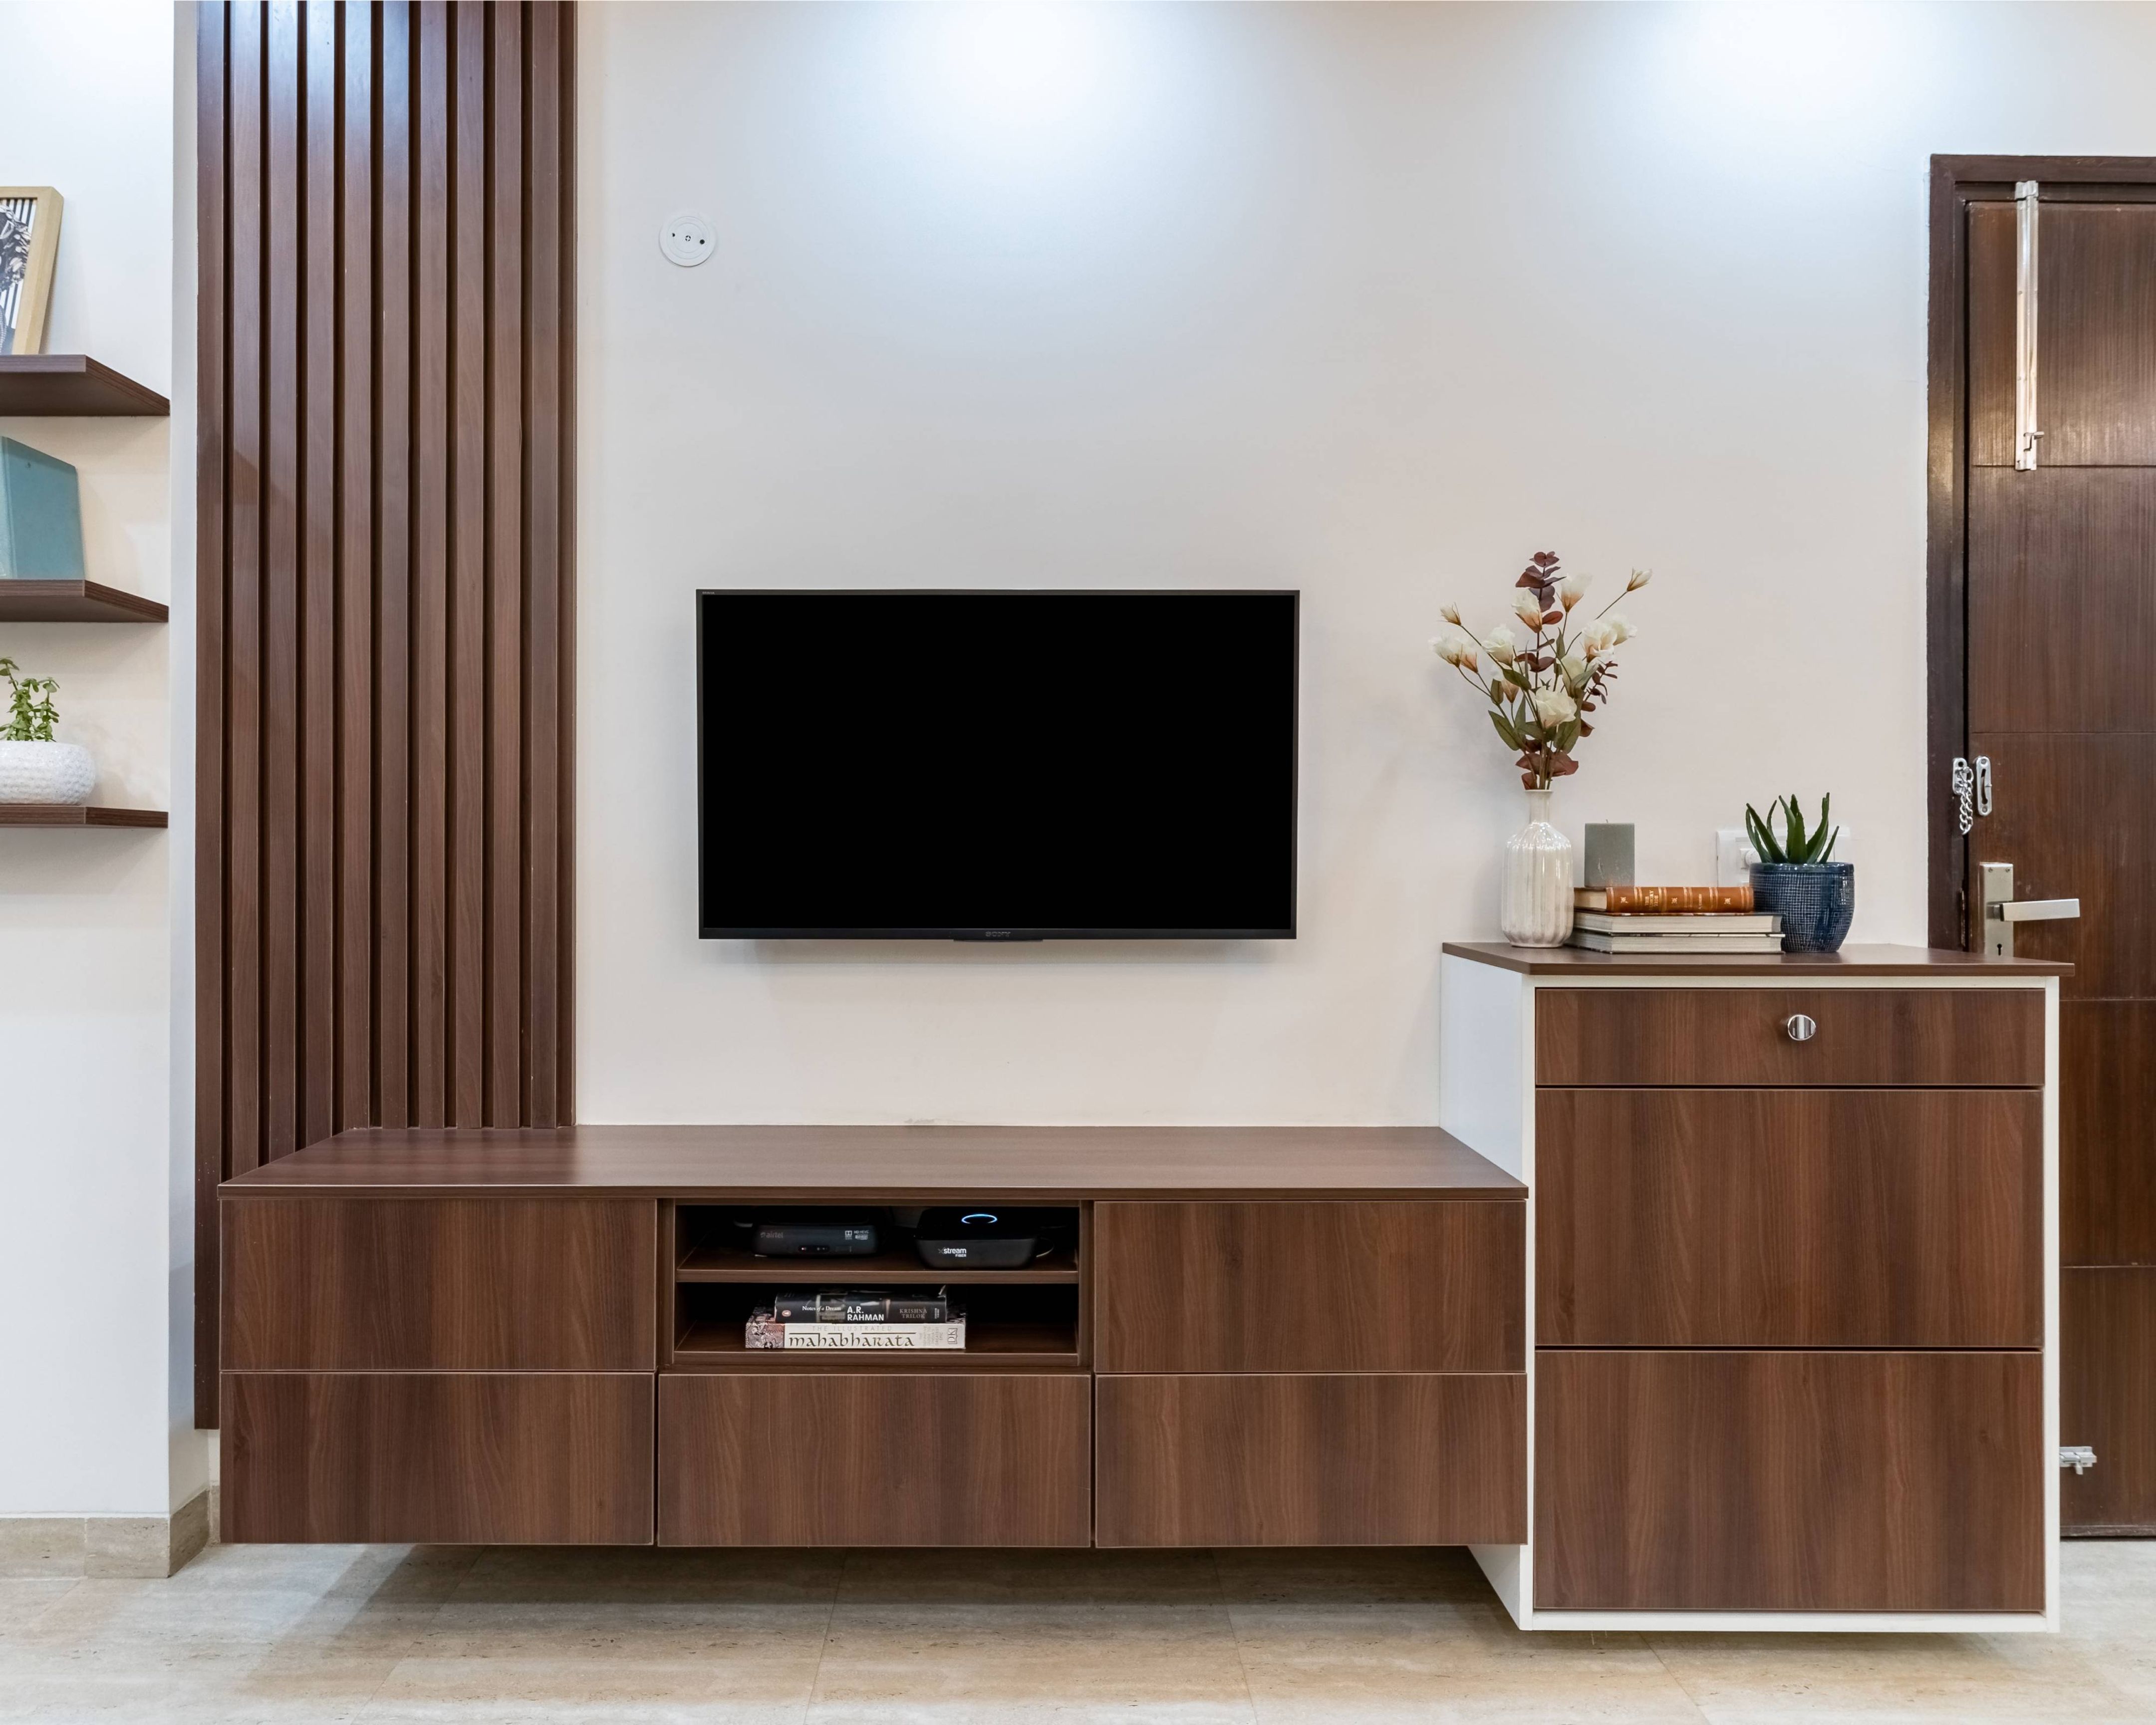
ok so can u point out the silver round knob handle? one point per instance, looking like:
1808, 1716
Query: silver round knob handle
1800, 1028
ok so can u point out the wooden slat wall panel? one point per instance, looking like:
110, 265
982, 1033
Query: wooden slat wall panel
385, 562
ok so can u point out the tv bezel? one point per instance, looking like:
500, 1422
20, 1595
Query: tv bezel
1000, 936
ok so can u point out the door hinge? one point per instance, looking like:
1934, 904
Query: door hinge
2080, 1457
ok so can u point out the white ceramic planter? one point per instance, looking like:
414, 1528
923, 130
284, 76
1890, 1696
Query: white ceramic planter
45, 773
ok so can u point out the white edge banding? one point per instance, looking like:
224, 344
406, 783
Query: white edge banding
1485, 1099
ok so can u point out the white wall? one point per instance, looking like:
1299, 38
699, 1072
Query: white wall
94, 1293
1370, 301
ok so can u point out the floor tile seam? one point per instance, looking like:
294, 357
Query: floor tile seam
1698, 1707
824, 1647
1234, 1633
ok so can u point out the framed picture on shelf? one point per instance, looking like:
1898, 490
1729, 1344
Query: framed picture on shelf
30, 242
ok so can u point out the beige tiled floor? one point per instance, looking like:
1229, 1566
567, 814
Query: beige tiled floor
273, 1636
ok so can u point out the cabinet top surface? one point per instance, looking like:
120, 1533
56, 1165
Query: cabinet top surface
1850, 961
896, 1165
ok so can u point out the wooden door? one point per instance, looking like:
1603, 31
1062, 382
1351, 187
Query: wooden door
2047, 641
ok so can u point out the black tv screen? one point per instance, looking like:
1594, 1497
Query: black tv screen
996, 766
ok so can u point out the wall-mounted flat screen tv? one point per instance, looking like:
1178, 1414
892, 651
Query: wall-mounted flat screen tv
1001, 766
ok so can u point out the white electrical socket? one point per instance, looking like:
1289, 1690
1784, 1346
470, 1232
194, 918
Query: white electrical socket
1733, 854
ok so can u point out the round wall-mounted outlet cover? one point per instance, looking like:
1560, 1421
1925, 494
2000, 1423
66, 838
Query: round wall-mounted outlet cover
686, 237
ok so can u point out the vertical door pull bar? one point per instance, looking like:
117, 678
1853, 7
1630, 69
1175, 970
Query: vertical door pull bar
2025, 327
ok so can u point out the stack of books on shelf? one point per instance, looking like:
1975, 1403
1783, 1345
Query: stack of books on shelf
865, 1319
1672, 919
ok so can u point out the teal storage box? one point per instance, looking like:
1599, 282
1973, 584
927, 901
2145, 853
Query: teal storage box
40, 516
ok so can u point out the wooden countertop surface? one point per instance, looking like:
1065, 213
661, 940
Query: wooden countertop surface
895, 1164
1794, 967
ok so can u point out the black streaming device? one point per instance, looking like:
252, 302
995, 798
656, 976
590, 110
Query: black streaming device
984, 1237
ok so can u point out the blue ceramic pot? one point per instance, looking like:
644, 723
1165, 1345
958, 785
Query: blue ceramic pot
1814, 900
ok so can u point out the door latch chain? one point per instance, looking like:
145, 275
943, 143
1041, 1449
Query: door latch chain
1972, 790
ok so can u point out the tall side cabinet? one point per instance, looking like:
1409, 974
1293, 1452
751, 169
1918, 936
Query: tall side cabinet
1792, 1282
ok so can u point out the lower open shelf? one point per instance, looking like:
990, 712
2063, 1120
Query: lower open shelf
714, 1345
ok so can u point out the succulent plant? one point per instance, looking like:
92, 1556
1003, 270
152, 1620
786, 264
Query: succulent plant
1797, 844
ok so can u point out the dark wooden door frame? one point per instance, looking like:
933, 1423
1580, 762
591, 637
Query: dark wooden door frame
1957, 183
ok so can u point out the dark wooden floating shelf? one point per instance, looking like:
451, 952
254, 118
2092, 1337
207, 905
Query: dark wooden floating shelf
77, 814
720, 1345
74, 602
724, 1264
73, 385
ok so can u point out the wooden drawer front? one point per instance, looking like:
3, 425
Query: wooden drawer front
1310, 1288
1311, 1459
451, 1284
463, 1458
1789, 1217
1790, 1481
879, 1458
1701, 1036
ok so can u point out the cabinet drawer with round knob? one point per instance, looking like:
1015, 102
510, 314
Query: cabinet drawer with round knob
1956, 1037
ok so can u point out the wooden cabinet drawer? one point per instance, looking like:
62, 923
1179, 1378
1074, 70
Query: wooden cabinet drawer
1311, 1459
1789, 1217
1739, 1036
1310, 1288
1790, 1481
876, 1458
452, 1458
451, 1284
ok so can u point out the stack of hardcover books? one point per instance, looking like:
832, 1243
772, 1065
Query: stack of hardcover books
865, 1320
1672, 919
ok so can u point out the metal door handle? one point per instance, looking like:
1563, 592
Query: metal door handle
1800, 1028
2038, 910
2001, 909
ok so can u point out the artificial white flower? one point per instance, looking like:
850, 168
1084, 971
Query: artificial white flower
1598, 638
1575, 667
1554, 707
1500, 646
1529, 609
1640, 577
1455, 649
1621, 631
1571, 590
1450, 614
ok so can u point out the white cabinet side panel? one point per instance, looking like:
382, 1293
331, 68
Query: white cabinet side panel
1480, 1058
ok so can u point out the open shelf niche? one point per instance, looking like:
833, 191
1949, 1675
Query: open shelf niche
1032, 1317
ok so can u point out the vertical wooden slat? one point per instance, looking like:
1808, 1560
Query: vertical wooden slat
542, 507
356, 578
505, 576
243, 717
315, 781
565, 538
280, 610
429, 617
386, 578
468, 609
212, 428
393, 566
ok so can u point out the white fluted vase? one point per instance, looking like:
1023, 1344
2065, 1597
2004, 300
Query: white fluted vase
1534, 887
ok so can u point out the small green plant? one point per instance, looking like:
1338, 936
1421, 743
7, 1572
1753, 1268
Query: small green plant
1796, 845
31, 714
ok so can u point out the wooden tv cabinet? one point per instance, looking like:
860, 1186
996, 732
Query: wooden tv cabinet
1260, 1337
